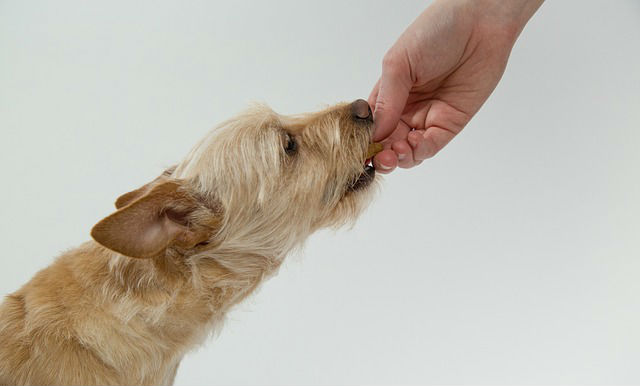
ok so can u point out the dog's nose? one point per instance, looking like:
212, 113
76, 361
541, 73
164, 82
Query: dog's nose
361, 110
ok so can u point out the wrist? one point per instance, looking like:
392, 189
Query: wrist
509, 15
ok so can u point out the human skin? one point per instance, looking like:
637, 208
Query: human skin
438, 74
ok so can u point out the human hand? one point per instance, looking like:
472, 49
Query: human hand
439, 73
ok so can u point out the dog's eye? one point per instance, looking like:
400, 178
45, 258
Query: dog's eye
290, 145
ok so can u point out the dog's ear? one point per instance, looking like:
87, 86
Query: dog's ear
158, 218
133, 195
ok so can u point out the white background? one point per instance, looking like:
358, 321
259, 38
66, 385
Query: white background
511, 257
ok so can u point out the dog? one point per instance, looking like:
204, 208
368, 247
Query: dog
163, 269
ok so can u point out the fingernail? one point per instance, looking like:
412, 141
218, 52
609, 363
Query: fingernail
401, 157
385, 167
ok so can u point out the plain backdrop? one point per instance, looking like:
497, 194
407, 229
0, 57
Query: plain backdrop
513, 256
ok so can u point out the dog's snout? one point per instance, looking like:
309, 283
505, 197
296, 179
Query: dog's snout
361, 110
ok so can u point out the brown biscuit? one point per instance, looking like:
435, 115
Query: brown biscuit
374, 148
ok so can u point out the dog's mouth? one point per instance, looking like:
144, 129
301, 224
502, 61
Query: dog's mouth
365, 178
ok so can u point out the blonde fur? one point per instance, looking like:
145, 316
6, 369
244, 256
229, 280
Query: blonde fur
180, 251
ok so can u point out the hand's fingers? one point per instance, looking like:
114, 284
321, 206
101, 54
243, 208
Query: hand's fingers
374, 95
393, 92
404, 152
426, 143
400, 133
415, 137
397, 142
385, 161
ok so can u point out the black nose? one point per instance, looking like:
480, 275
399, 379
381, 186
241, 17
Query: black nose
361, 110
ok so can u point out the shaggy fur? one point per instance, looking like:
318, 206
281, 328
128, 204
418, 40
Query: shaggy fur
178, 252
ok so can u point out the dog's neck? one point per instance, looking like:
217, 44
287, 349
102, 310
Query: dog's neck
169, 302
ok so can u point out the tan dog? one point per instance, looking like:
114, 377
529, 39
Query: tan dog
180, 251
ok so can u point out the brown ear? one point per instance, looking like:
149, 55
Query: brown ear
148, 225
133, 195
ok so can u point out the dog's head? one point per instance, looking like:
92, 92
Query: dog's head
259, 184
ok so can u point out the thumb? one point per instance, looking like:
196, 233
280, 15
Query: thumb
393, 91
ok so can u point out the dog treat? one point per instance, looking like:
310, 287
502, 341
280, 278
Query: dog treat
374, 148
